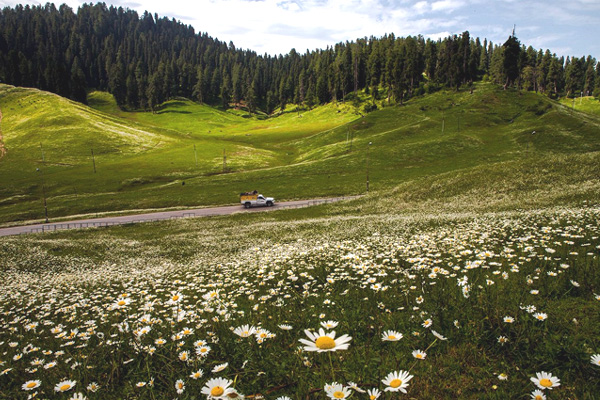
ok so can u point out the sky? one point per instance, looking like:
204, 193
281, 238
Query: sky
566, 27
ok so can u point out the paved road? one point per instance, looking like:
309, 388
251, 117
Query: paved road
159, 216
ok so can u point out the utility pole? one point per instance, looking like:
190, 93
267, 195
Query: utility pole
2, 149
43, 182
370, 143
224, 161
195, 155
93, 160
43, 193
443, 122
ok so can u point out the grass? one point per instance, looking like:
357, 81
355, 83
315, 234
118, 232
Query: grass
316, 153
588, 104
464, 227
370, 272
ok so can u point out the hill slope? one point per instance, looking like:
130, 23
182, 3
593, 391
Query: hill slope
450, 140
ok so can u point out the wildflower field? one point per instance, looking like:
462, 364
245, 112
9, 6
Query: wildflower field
494, 305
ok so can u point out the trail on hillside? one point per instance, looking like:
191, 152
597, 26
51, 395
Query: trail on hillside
2, 148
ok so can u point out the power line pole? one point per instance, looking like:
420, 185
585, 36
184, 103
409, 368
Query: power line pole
196, 155
368, 147
2, 149
93, 160
224, 161
443, 122
44, 193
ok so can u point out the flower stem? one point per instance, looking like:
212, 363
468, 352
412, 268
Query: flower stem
331, 365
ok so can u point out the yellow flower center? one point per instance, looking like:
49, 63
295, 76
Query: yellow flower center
65, 387
175, 298
538, 397
217, 391
392, 337
31, 385
546, 382
372, 397
338, 395
203, 350
419, 356
122, 302
325, 343
395, 383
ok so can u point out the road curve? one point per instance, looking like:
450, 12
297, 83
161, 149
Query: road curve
159, 216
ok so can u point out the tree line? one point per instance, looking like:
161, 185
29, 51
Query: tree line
144, 60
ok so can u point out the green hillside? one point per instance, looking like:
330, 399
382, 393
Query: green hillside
471, 264
146, 160
586, 104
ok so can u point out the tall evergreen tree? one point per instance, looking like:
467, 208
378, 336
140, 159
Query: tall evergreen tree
511, 60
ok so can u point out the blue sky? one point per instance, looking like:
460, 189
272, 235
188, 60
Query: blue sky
566, 27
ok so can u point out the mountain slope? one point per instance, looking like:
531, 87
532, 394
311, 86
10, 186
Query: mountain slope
422, 151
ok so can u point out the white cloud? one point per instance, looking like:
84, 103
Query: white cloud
447, 5
421, 7
438, 35
276, 26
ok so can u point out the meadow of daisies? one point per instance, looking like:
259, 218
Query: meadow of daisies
498, 305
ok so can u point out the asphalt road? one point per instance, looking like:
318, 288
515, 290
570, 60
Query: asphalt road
159, 216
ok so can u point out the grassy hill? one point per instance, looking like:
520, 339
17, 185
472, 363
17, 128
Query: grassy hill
477, 245
146, 160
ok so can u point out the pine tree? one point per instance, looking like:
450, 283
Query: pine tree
510, 61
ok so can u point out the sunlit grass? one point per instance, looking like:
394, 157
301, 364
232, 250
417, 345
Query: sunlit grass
486, 294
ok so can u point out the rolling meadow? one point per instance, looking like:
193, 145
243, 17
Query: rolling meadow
468, 270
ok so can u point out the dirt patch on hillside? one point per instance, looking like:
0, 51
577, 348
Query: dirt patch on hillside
2, 148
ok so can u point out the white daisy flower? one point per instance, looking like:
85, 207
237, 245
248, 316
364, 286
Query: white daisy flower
418, 354
64, 386
30, 385
197, 375
329, 324
217, 388
179, 386
538, 395
391, 336
220, 367
245, 330
397, 381
545, 380
337, 391
325, 341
